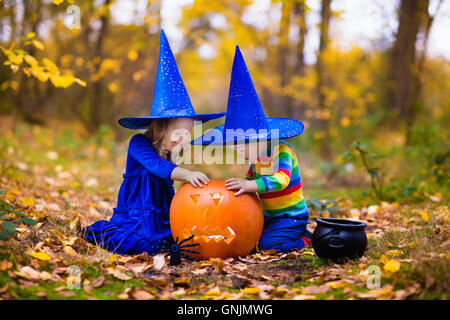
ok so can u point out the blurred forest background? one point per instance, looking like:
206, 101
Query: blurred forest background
376, 111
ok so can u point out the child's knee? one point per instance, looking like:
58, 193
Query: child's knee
281, 245
283, 237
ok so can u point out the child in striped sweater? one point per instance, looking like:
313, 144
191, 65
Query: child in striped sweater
276, 177
280, 192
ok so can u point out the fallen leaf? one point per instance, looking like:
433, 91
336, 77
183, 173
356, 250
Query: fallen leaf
183, 282
5, 265
143, 295
40, 255
316, 289
28, 272
69, 250
159, 262
394, 253
213, 292
392, 266
98, 282
372, 210
425, 216
112, 258
251, 290
199, 272
384, 259
123, 296
116, 272
44, 275
338, 284
382, 293
137, 268
27, 201
304, 297
67, 294
241, 267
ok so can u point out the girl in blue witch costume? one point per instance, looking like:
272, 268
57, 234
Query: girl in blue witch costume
274, 172
142, 213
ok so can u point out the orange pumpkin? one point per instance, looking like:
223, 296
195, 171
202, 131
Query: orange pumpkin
223, 224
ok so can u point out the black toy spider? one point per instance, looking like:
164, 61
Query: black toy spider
176, 249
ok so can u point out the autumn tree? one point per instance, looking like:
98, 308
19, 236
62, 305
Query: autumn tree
323, 114
403, 72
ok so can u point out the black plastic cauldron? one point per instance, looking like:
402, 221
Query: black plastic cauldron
337, 239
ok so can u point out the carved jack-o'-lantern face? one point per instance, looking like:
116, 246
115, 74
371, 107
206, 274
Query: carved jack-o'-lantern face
224, 225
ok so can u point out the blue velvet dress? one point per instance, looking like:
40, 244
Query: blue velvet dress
142, 212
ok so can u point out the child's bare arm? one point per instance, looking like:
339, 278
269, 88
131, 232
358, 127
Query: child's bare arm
195, 178
242, 185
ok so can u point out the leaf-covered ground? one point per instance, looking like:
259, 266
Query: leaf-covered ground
51, 184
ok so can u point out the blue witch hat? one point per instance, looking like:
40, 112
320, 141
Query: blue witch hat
170, 97
245, 119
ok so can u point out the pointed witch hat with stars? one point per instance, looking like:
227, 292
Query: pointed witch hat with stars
245, 120
170, 97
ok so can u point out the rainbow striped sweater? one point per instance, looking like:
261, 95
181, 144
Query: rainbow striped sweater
279, 182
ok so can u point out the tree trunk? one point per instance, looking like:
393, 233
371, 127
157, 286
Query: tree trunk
300, 16
96, 107
283, 54
403, 57
28, 94
323, 121
416, 101
298, 105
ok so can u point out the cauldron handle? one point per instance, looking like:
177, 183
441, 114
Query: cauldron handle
340, 245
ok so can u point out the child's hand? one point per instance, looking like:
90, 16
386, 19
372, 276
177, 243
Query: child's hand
241, 185
196, 178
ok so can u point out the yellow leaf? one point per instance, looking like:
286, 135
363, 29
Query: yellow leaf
50, 66
40, 75
38, 45
11, 197
16, 59
382, 293
40, 255
57, 2
113, 87
384, 259
183, 281
425, 217
132, 55
70, 251
27, 201
337, 284
392, 266
251, 290
9, 84
112, 258
30, 60
62, 81
31, 35
394, 253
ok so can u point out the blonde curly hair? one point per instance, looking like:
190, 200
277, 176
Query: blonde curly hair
156, 132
